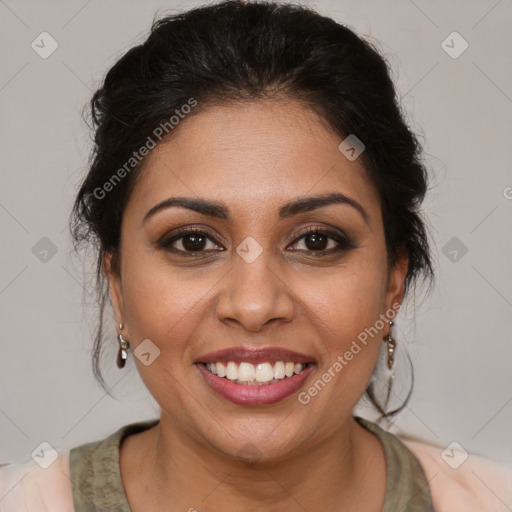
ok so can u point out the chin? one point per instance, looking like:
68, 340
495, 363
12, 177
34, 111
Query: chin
259, 448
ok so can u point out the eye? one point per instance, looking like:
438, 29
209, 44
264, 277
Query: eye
322, 242
313, 240
189, 240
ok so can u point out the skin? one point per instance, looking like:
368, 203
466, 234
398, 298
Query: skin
253, 157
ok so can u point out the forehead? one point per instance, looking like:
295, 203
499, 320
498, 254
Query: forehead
249, 155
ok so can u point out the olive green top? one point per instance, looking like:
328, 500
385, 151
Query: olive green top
97, 485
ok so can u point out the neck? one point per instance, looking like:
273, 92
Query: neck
347, 468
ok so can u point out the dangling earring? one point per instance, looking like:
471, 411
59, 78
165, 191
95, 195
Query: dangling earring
391, 345
124, 345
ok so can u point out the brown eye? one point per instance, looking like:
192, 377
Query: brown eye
322, 242
316, 241
189, 241
193, 242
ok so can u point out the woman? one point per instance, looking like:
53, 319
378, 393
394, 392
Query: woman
254, 195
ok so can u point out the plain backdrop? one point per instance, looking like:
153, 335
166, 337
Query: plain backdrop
459, 337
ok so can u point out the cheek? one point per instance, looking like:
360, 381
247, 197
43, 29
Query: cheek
345, 322
347, 301
346, 308
160, 303
163, 309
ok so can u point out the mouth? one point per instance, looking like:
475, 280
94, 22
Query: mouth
255, 377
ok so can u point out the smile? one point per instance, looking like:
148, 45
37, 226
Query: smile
244, 388
248, 374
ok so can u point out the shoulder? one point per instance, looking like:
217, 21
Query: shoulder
30, 487
462, 481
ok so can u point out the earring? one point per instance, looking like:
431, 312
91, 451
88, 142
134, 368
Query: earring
391, 345
124, 345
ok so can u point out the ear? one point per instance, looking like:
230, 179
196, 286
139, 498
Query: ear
396, 280
115, 289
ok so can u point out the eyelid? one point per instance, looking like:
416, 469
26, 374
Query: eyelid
190, 229
323, 229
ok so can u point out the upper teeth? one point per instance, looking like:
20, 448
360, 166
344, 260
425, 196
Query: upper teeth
261, 372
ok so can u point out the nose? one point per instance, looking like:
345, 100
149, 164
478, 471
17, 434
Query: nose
254, 295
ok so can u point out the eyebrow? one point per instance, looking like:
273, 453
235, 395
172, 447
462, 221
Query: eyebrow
220, 210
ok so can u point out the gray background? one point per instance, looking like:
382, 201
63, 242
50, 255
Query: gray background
459, 338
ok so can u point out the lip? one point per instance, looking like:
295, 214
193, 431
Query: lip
255, 356
266, 394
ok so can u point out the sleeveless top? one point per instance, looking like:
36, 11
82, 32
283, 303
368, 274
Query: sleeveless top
97, 486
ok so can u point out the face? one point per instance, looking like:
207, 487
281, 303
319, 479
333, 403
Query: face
259, 271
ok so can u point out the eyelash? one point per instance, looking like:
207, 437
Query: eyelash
343, 241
